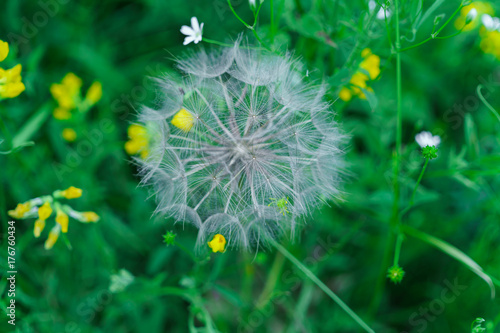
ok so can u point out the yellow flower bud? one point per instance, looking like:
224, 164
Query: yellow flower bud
63, 220
137, 131
183, 120
94, 93
89, 217
44, 211
53, 236
71, 193
72, 83
39, 225
345, 94
69, 134
11, 90
61, 113
4, 50
20, 210
217, 244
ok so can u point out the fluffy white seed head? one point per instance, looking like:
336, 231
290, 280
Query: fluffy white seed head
262, 150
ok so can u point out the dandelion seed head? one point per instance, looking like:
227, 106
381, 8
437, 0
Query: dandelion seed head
240, 131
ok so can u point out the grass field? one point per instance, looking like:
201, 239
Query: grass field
316, 166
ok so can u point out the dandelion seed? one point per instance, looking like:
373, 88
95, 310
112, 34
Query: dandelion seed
193, 33
425, 139
242, 127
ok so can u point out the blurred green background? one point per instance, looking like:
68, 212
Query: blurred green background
121, 44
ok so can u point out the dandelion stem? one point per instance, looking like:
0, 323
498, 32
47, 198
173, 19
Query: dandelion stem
485, 102
272, 22
321, 285
211, 41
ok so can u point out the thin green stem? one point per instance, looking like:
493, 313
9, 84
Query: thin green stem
380, 284
237, 16
188, 252
397, 250
435, 35
211, 41
412, 198
272, 21
322, 286
271, 282
485, 102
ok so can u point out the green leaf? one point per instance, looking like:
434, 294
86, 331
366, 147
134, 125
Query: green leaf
452, 252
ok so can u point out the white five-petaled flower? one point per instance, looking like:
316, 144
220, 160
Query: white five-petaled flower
425, 139
193, 33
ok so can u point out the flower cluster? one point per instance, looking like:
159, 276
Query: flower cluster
242, 147
67, 94
471, 15
369, 69
10, 79
481, 14
42, 208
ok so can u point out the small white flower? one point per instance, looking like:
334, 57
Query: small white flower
371, 5
471, 15
425, 139
193, 32
383, 13
490, 23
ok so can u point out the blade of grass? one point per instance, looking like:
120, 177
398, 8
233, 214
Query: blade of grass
452, 252
32, 126
322, 286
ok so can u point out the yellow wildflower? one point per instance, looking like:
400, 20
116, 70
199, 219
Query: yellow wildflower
369, 69
66, 93
53, 236
20, 210
71, 193
89, 217
183, 120
61, 113
4, 50
481, 8
39, 226
10, 82
94, 93
371, 63
139, 141
63, 220
44, 211
217, 244
69, 134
